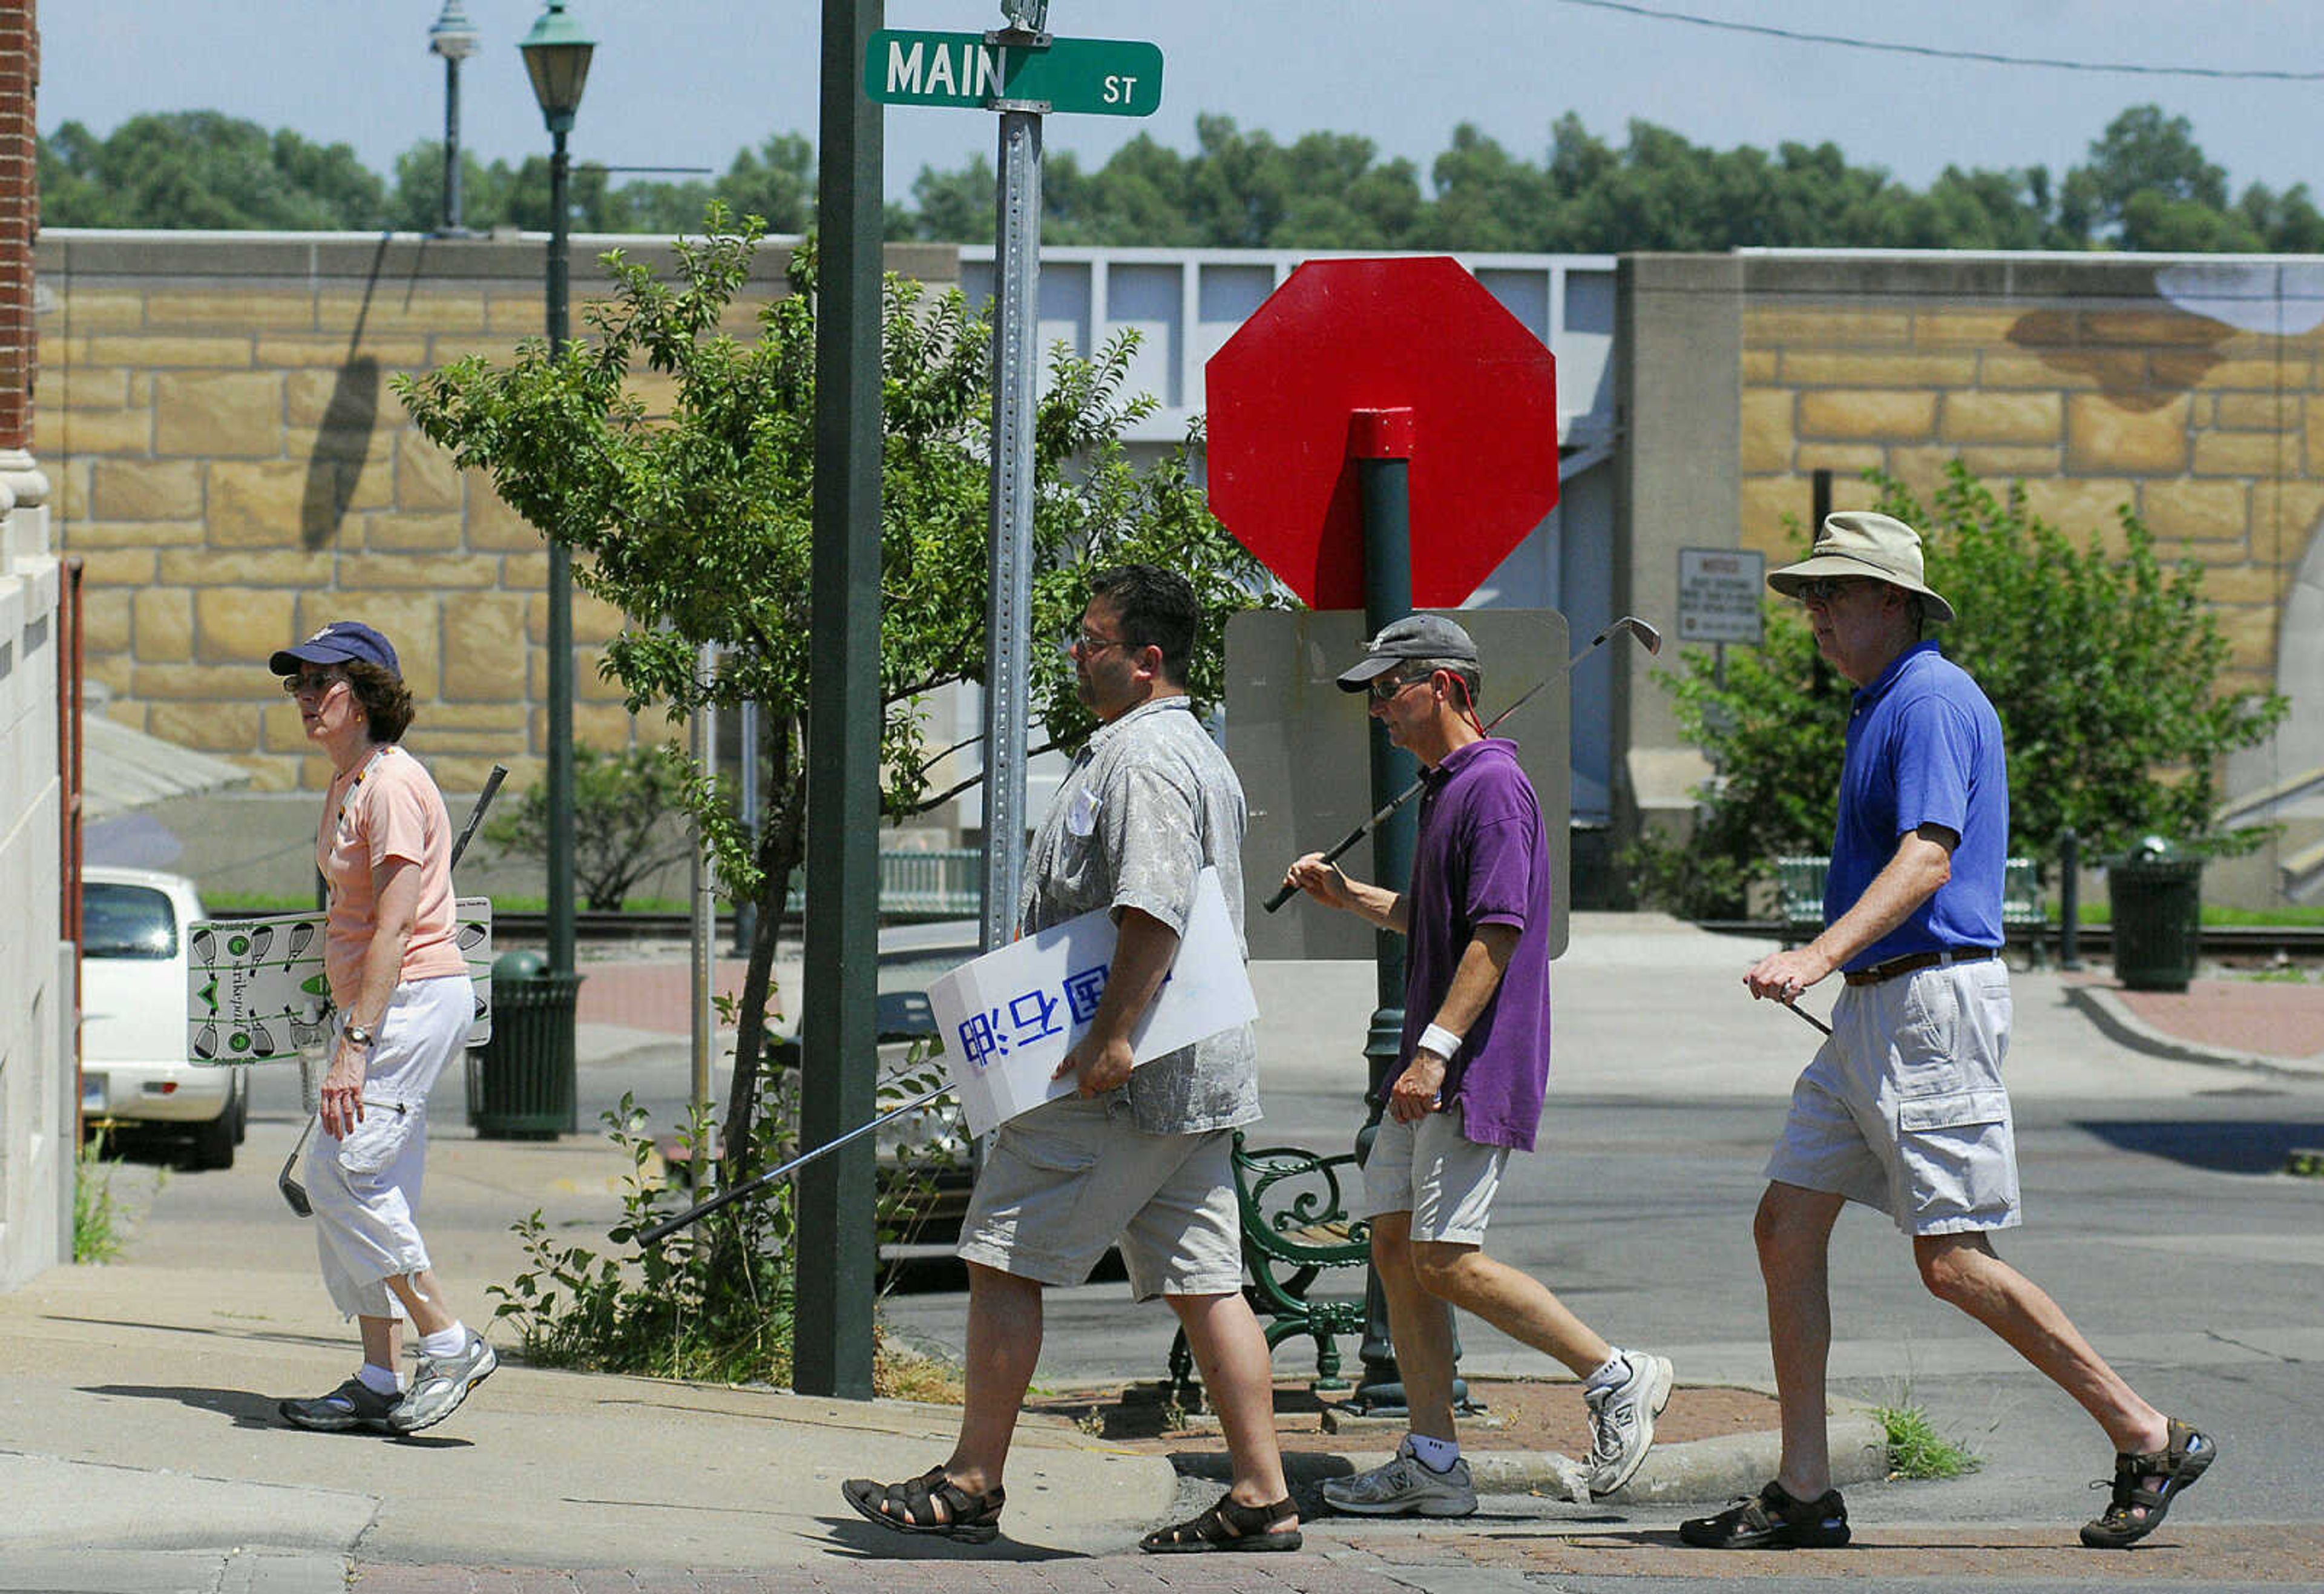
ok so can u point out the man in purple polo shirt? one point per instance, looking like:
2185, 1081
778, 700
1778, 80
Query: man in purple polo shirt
1903, 1108
1476, 1063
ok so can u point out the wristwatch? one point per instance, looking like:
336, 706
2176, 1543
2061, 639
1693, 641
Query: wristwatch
358, 1034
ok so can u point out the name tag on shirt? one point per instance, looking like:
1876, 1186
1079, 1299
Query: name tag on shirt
1009, 1018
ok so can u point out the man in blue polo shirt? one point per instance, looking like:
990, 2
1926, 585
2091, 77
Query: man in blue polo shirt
1903, 1108
1476, 1065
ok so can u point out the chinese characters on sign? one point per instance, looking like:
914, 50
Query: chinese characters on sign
1010, 1017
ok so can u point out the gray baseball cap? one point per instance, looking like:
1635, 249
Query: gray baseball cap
1415, 636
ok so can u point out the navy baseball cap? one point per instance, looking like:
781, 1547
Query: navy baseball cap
342, 642
1415, 636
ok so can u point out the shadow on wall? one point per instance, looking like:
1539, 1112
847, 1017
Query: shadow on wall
342, 440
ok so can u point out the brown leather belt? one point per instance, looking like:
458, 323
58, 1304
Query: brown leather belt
1911, 961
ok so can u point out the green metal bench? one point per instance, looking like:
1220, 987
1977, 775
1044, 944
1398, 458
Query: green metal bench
1295, 1227
1799, 899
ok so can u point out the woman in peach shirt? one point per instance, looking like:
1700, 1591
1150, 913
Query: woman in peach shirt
404, 1003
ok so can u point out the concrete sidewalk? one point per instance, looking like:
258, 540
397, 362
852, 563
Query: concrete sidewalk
139, 1451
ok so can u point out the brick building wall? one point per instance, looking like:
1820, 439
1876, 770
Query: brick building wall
37, 1100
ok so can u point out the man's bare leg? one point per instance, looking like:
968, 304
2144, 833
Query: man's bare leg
1230, 1352
1419, 1326
1004, 1347
1793, 1229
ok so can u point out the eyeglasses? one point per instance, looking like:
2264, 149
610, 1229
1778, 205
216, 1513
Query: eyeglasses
315, 684
1387, 687
1084, 641
1829, 588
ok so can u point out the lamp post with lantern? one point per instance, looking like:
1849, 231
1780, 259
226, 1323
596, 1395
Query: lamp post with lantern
454, 37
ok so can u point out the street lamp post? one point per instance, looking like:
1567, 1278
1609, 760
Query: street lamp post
557, 58
453, 37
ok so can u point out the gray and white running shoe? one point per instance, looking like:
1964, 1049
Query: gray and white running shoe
1622, 1420
443, 1382
1404, 1487
353, 1405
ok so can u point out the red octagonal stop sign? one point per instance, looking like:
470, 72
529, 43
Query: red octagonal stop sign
1345, 336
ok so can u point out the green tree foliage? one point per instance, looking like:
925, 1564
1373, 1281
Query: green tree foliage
697, 528
2145, 185
204, 169
624, 805
2103, 662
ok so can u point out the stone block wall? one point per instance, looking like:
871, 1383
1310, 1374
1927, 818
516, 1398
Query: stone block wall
2191, 391
236, 472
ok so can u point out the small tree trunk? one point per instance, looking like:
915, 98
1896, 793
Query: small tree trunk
781, 844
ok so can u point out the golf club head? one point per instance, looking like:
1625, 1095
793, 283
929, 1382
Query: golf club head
1648, 637
294, 1194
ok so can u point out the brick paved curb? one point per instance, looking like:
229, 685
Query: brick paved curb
2121, 1025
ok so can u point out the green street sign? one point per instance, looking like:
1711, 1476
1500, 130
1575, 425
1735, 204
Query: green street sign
1090, 77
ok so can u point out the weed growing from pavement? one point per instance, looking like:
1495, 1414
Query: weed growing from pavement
1917, 1451
715, 1302
100, 1229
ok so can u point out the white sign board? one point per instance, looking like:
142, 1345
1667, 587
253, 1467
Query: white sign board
255, 990
1009, 1018
1720, 594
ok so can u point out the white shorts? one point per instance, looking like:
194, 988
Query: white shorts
1903, 1108
1065, 1180
366, 1189
1434, 1171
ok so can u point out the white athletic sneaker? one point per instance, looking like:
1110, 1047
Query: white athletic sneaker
1404, 1487
442, 1384
1622, 1420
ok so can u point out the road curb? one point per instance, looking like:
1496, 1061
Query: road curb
2114, 1017
1697, 1470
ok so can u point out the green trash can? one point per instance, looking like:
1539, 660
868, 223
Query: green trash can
2156, 895
520, 1083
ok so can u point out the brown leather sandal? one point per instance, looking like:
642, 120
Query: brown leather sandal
1229, 1526
910, 1507
2137, 1507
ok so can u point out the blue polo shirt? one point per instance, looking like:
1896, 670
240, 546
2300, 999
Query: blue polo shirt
1924, 749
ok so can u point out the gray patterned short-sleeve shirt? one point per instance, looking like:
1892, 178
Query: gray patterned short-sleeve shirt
1150, 802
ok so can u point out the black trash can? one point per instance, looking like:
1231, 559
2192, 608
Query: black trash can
520, 1081
2156, 895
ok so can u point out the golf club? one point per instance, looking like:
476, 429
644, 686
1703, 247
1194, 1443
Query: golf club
1648, 638
1807, 1017
294, 1194
669, 1226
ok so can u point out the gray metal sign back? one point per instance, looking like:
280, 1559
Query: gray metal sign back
1299, 744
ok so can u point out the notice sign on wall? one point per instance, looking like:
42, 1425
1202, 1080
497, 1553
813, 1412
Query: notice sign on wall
1719, 591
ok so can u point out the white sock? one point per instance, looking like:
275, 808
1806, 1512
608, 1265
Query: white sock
448, 1341
1436, 1454
1611, 1372
380, 1380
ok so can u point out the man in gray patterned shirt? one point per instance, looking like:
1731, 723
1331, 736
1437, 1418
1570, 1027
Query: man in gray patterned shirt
1139, 1158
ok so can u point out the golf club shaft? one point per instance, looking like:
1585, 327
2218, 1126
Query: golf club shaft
669, 1226
1284, 891
1807, 1017
476, 814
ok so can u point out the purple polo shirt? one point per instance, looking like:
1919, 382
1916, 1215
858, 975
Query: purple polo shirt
1482, 858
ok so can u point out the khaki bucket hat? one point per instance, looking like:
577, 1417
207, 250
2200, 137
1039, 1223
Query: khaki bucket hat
1859, 543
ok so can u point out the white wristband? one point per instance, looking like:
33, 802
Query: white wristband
1442, 1042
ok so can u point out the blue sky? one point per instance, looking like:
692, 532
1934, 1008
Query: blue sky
687, 82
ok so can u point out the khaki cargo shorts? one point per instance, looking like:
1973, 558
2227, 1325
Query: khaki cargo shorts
1903, 1108
1065, 1180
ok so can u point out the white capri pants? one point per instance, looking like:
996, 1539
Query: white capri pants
365, 1188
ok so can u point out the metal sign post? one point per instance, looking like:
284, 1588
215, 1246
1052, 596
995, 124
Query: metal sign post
1008, 597
1022, 72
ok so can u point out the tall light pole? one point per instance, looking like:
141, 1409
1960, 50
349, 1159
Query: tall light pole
454, 37
557, 58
